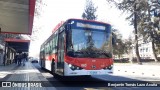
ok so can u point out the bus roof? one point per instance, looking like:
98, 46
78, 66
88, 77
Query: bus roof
88, 20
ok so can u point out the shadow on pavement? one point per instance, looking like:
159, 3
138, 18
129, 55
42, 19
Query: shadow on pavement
107, 81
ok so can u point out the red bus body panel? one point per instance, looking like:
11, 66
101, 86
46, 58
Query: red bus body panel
86, 63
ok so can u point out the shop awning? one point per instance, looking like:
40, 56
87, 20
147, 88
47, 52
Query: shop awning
16, 16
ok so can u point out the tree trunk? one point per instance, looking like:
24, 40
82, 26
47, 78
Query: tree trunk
152, 36
136, 37
154, 51
137, 52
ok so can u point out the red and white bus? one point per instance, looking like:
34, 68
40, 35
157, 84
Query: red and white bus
78, 47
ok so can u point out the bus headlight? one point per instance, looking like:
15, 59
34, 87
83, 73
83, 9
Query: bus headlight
109, 67
70, 65
73, 67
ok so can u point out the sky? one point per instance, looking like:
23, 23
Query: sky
61, 10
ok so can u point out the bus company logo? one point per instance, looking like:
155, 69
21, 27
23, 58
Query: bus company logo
83, 65
6, 84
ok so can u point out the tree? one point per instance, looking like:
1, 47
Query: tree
117, 47
128, 45
134, 8
155, 7
141, 18
89, 14
90, 10
128, 48
149, 26
39, 10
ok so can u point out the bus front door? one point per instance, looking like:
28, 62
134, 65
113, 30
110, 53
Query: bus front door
60, 64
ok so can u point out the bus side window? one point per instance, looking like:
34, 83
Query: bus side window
53, 46
56, 42
48, 48
45, 49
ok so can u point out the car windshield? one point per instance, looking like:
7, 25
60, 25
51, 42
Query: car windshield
89, 43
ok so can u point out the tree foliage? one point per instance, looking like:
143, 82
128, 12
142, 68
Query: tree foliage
117, 47
90, 11
151, 27
145, 16
121, 46
133, 7
128, 45
39, 8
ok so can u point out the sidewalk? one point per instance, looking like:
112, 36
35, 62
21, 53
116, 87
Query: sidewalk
144, 70
21, 74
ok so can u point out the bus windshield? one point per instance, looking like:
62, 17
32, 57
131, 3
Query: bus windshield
89, 43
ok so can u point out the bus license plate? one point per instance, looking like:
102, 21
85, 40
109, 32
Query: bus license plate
93, 73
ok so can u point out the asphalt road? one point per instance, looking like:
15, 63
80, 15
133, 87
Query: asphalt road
99, 82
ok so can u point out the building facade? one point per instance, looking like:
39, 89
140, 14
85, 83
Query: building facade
145, 50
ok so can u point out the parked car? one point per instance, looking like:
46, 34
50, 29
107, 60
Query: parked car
34, 60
